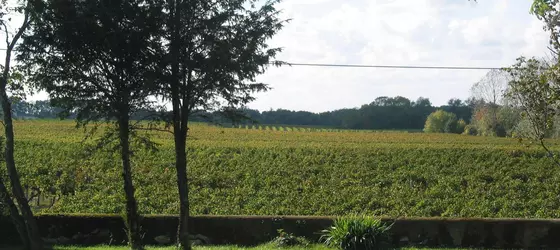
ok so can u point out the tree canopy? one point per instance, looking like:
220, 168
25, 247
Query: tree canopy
97, 59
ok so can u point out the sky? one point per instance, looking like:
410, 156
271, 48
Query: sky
489, 33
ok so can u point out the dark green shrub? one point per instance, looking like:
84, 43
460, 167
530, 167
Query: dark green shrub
357, 233
450, 126
461, 124
500, 131
285, 239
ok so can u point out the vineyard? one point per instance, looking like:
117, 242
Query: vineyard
303, 128
287, 171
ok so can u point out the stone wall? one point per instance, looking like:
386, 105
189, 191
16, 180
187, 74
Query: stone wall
252, 230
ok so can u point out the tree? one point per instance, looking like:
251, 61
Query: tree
454, 102
95, 58
459, 108
441, 122
548, 12
535, 88
509, 116
491, 87
489, 91
461, 125
25, 223
215, 50
423, 102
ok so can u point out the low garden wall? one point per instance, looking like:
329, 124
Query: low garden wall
251, 230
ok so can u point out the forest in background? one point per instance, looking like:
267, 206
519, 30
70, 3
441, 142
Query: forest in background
398, 113
489, 111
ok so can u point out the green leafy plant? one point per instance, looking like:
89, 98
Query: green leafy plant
285, 239
357, 232
470, 130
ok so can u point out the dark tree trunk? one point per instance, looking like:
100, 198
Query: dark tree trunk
131, 218
179, 127
18, 221
182, 185
35, 241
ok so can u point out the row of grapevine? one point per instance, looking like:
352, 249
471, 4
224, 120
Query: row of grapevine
255, 172
290, 128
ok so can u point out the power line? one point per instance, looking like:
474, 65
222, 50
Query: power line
391, 66
383, 66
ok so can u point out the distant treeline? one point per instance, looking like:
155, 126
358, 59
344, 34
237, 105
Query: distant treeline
383, 113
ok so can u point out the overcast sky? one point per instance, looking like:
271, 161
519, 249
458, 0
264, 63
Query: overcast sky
490, 33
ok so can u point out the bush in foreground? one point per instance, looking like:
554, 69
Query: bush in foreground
285, 239
355, 232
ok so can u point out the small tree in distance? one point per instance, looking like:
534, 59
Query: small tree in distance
441, 122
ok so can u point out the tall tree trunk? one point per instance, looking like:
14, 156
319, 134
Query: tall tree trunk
131, 217
182, 185
179, 127
31, 225
18, 221
31, 231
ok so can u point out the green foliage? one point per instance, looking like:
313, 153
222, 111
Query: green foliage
541, 7
285, 239
508, 117
470, 130
255, 172
540, 79
461, 125
535, 87
451, 126
220, 48
441, 122
97, 59
101, 62
396, 113
495, 120
358, 233
548, 11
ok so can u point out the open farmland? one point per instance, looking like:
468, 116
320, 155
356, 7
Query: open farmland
238, 171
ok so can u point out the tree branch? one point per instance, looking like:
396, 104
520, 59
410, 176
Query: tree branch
12, 44
7, 35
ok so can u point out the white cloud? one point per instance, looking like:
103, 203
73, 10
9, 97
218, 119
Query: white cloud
394, 32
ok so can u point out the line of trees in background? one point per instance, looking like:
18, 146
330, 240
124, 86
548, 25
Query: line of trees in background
383, 113
493, 112
489, 111
519, 101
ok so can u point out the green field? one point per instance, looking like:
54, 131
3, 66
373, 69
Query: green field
238, 171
